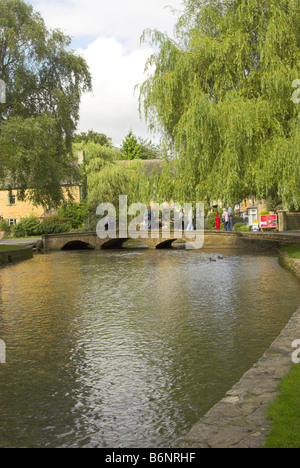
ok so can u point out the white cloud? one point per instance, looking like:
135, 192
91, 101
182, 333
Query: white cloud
123, 20
112, 108
108, 34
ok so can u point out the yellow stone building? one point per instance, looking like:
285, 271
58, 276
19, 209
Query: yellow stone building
13, 210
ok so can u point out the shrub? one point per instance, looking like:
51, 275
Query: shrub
27, 227
244, 229
75, 214
239, 226
4, 227
54, 225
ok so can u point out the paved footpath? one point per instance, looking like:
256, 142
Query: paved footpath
19, 241
239, 420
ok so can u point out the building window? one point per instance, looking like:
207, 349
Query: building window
11, 199
252, 214
12, 222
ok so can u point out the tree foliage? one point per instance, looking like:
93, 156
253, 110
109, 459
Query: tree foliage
96, 137
221, 95
44, 82
130, 148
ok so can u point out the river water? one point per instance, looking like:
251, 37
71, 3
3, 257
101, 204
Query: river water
129, 348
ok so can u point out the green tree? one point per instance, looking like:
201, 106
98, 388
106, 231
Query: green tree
98, 138
221, 95
44, 82
130, 148
149, 150
74, 213
97, 159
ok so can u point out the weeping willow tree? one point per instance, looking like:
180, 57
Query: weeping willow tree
107, 176
221, 94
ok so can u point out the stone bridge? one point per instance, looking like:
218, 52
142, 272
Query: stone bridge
157, 240
71, 241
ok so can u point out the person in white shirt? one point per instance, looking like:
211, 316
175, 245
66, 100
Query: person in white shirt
225, 219
190, 225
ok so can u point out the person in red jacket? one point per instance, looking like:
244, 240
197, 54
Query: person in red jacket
218, 222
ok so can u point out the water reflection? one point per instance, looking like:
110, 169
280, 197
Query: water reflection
130, 348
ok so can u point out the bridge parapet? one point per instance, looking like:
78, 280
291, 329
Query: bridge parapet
159, 239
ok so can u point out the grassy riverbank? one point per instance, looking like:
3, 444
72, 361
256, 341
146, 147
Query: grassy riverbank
284, 413
4, 248
293, 251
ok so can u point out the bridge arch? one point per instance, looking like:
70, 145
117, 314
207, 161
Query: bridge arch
167, 244
77, 245
113, 244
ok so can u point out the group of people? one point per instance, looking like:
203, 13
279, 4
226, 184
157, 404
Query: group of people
227, 219
149, 215
190, 224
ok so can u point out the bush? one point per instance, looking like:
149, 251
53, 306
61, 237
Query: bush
239, 227
4, 227
75, 214
54, 225
244, 229
32, 226
27, 227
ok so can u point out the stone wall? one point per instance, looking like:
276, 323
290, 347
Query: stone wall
292, 264
293, 221
11, 256
288, 221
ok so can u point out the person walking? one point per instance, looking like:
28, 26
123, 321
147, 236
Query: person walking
181, 220
149, 218
191, 217
145, 223
225, 219
230, 216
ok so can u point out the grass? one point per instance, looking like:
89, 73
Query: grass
4, 248
293, 251
284, 413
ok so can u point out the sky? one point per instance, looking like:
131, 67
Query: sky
107, 34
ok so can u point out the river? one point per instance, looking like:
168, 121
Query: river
129, 348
